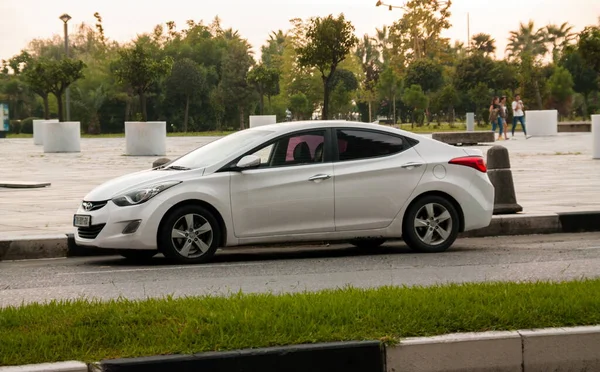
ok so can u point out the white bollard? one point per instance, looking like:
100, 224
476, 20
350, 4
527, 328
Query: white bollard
595, 136
146, 138
64, 136
470, 121
260, 120
541, 123
38, 130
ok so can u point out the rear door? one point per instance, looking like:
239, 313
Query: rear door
375, 173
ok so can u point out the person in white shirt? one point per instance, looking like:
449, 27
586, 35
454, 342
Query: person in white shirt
518, 115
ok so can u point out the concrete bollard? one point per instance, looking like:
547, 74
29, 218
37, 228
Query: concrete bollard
595, 136
498, 164
160, 162
470, 121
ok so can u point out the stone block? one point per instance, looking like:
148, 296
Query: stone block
575, 127
38, 130
468, 352
595, 136
562, 349
542, 122
260, 120
146, 138
464, 138
62, 136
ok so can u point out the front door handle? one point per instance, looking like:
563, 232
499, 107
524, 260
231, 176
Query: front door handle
319, 177
411, 165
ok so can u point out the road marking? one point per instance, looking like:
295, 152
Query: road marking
586, 248
159, 268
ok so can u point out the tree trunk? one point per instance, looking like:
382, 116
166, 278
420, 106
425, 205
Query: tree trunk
60, 106
394, 108
93, 125
46, 107
325, 112
370, 119
143, 106
241, 117
185, 115
262, 103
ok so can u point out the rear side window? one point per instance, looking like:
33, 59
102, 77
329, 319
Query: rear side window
356, 144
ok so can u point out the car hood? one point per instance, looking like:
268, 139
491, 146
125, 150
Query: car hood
129, 182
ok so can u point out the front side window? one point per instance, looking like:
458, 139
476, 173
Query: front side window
295, 149
356, 144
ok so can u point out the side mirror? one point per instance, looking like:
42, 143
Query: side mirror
248, 161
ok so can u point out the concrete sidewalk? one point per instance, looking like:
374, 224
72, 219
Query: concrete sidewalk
551, 175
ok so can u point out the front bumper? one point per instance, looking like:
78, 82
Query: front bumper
108, 224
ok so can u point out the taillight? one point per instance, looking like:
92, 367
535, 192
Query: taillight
475, 162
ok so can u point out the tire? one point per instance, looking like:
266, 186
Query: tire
192, 246
436, 234
137, 255
367, 244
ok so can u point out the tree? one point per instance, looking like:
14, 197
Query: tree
585, 79
425, 73
472, 70
416, 98
589, 46
418, 33
559, 37
527, 40
266, 81
36, 75
560, 86
299, 106
91, 102
388, 86
483, 43
369, 56
344, 84
445, 100
329, 40
137, 69
187, 80
234, 84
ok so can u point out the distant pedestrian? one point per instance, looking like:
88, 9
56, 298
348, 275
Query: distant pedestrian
495, 116
503, 116
518, 115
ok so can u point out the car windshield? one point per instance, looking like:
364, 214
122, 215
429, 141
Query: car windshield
218, 150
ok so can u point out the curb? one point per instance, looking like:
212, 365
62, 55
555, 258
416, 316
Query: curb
550, 349
56, 246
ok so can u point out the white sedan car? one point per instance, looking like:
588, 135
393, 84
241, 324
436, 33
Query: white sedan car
293, 182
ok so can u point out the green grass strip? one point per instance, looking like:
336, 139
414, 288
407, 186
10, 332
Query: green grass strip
91, 331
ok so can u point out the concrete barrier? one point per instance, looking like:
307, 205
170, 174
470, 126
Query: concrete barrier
575, 127
464, 138
71, 366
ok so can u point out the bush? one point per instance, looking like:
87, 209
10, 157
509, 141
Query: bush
27, 125
14, 126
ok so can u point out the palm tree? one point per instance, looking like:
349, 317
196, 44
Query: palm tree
527, 40
382, 38
368, 54
91, 104
483, 43
559, 37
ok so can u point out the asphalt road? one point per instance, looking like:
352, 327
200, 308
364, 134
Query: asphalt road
547, 257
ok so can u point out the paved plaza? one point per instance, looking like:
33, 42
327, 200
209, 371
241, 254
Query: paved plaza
551, 174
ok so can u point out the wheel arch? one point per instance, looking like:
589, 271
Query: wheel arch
200, 203
452, 200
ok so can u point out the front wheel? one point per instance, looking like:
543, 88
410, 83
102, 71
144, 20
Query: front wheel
431, 225
189, 234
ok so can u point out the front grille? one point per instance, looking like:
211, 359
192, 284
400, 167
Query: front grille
93, 206
90, 232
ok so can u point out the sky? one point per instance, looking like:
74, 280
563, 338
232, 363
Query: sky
23, 20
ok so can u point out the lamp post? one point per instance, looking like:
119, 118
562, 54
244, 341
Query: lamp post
65, 18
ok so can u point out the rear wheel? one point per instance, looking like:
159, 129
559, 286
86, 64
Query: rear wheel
189, 234
137, 255
367, 243
431, 224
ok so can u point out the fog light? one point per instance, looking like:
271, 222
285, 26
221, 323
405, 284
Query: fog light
132, 227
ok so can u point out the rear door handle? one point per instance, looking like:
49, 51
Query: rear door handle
411, 165
319, 177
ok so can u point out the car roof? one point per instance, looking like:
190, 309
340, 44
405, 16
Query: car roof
310, 124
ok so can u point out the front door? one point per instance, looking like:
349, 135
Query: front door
290, 193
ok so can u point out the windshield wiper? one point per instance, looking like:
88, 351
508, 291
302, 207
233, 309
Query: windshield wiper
178, 167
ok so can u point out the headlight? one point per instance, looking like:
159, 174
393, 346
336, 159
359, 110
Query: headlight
142, 195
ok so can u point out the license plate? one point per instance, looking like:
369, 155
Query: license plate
82, 221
